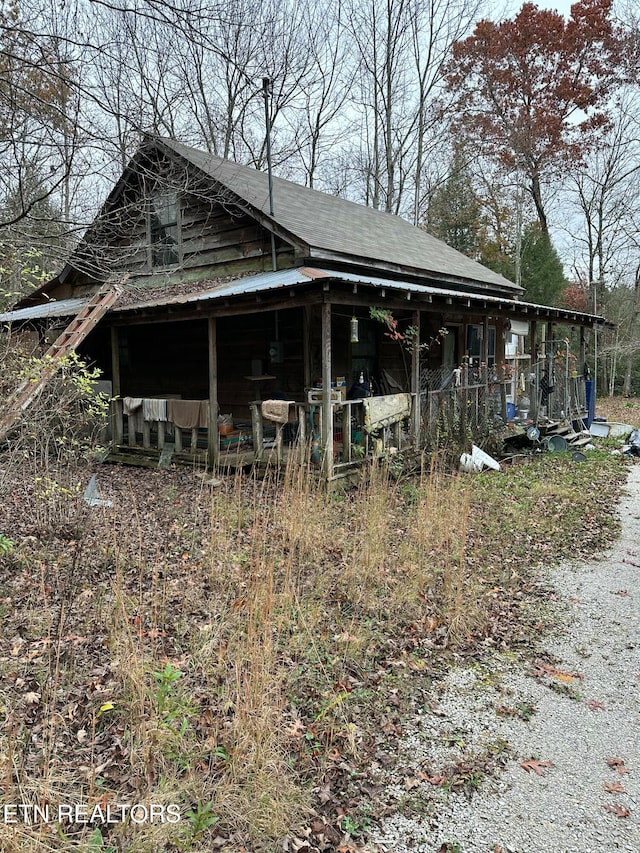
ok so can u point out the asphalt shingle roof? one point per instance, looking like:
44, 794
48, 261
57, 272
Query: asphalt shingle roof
331, 226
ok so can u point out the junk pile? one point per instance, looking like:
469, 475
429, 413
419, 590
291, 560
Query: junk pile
632, 448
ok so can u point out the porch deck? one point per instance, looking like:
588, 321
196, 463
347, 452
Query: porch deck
266, 443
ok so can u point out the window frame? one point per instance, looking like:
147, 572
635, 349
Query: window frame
164, 213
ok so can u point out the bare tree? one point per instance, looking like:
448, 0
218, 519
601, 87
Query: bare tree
401, 48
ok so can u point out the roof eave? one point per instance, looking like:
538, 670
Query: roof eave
468, 285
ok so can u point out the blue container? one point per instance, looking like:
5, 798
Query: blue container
511, 411
590, 396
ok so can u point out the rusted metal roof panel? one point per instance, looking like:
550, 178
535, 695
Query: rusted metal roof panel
270, 281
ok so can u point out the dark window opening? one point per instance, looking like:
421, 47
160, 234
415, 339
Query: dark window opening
475, 335
163, 227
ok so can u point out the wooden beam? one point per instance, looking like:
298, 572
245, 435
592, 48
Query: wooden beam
213, 443
327, 409
117, 425
415, 380
484, 351
306, 344
533, 334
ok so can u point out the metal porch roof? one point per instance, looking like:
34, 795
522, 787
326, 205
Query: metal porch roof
269, 281
284, 279
55, 308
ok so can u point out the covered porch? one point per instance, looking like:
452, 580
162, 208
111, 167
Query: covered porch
348, 385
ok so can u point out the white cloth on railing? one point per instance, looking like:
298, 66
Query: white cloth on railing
383, 411
276, 410
154, 410
130, 405
132, 408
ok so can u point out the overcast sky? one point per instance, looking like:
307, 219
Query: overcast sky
563, 6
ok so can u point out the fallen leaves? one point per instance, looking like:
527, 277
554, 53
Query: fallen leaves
594, 705
617, 764
614, 788
618, 811
538, 767
297, 728
543, 669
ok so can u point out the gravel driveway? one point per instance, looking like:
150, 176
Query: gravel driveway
579, 712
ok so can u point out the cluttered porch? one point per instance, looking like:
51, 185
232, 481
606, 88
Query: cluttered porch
173, 429
334, 432
544, 395
333, 388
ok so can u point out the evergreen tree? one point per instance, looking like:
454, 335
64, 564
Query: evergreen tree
543, 277
454, 213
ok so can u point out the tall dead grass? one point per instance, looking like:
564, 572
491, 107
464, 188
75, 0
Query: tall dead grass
237, 705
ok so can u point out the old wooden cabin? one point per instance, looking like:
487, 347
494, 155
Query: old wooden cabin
237, 332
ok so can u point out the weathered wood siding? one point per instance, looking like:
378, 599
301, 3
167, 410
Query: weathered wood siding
164, 359
215, 236
244, 341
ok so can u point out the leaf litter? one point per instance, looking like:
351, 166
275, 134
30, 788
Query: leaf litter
167, 586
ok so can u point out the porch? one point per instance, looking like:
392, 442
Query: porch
282, 337
360, 429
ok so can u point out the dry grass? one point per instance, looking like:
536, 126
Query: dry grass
227, 648
624, 410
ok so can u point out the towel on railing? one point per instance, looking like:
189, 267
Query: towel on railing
132, 408
131, 404
276, 410
188, 414
154, 410
384, 411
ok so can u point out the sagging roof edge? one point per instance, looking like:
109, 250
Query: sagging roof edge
272, 281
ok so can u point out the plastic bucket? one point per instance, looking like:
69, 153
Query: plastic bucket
556, 443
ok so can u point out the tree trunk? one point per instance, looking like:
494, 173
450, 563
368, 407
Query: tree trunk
536, 193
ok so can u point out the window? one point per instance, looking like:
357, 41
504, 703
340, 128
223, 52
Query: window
164, 229
474, 344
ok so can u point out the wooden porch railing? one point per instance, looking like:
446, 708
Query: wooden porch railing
152, 435
350, 441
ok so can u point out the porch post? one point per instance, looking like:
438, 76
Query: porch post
415, 380
583, 350
327, 408
485, 344
306, 344
485, 359
213, 442
500, 341
533, 345
117, 425
501, 360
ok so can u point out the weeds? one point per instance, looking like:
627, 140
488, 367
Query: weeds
200, 819
228, 650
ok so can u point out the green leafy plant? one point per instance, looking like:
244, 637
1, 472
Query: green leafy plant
168, 703
97, 842
357, 823
200, 819
6, 546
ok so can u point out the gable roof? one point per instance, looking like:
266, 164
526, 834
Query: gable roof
334, 229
